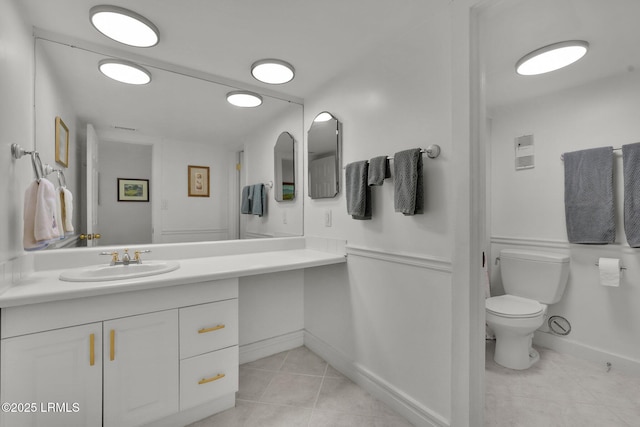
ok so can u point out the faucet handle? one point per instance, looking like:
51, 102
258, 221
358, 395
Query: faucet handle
137, 255
113, 255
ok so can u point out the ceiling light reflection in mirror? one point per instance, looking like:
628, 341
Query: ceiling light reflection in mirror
124, 71
124, 26
244, 99
323, 117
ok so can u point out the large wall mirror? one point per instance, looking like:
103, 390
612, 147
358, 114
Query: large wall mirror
324, 140
155, 132
284, 168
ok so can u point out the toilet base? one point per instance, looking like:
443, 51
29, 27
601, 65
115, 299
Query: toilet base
515, 351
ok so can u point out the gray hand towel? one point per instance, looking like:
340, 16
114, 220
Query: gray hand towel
358, 192
588, 196
258, 200
408, 182
245, 205
631, 173
378, 170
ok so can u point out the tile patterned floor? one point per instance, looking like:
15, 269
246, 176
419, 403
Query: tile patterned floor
298, 388
558, 391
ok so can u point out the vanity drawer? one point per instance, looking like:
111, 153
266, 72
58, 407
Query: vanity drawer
208, 327
208, 376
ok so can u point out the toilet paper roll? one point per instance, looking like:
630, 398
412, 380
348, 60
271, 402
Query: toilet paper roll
609, 271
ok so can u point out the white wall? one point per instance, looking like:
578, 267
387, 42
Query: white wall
185, 218
176, 216
270, 308
387, 314
528, 208
52, 102
123, 223
16, 120
282, 218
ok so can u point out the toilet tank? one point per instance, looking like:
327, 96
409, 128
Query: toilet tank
540, 276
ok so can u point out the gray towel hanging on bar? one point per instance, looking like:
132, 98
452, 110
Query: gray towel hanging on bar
408, 182
358, 190
588, 196
631, 172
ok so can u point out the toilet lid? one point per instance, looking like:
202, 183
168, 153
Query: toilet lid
513, 306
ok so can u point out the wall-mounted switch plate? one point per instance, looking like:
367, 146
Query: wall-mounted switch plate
327, 218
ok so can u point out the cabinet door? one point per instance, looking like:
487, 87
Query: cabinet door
140, 368
55, 375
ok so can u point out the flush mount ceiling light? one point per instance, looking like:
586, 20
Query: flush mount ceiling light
551, 57
124, 26
243, 98
272, 71
323, 117
124, 71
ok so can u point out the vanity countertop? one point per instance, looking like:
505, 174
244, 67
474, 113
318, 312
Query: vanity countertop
45, 286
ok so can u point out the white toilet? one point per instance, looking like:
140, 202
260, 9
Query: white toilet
531, 280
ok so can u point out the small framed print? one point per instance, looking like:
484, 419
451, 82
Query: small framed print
198, 181
133, 190
62, 143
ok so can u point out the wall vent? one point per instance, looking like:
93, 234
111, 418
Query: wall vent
524, 152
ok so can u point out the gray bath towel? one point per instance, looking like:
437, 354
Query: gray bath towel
245, 205
588, 196
631, 172
378, 170
258, 200
408, 182
358, 192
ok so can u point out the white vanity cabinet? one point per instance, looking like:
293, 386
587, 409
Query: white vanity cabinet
208, 352
140, 368
128, 359
64, 367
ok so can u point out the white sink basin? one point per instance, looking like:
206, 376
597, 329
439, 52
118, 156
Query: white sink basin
104, 272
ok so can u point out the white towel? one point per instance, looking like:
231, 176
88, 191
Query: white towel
58, 213
29, 241
46, 229
67, 211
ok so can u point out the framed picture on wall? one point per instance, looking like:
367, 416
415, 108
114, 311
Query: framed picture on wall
133, 190
198, 181
62, 143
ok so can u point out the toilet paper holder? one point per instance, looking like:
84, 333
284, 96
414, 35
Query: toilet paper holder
621, 267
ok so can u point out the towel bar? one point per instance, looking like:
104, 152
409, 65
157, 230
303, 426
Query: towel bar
62, 180
17, 152
432, 152
615, 149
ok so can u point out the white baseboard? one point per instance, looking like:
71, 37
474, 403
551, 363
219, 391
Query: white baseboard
415, 412
582, 351
270, 346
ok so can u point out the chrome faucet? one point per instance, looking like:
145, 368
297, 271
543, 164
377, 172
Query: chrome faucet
126, 258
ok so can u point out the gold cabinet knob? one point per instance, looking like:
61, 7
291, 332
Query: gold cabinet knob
82, 236
97, 236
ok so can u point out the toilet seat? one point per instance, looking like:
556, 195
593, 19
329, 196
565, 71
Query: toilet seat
511, 306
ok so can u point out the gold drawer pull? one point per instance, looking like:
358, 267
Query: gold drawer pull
205, 330
208, 380
112, 345
92, 349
